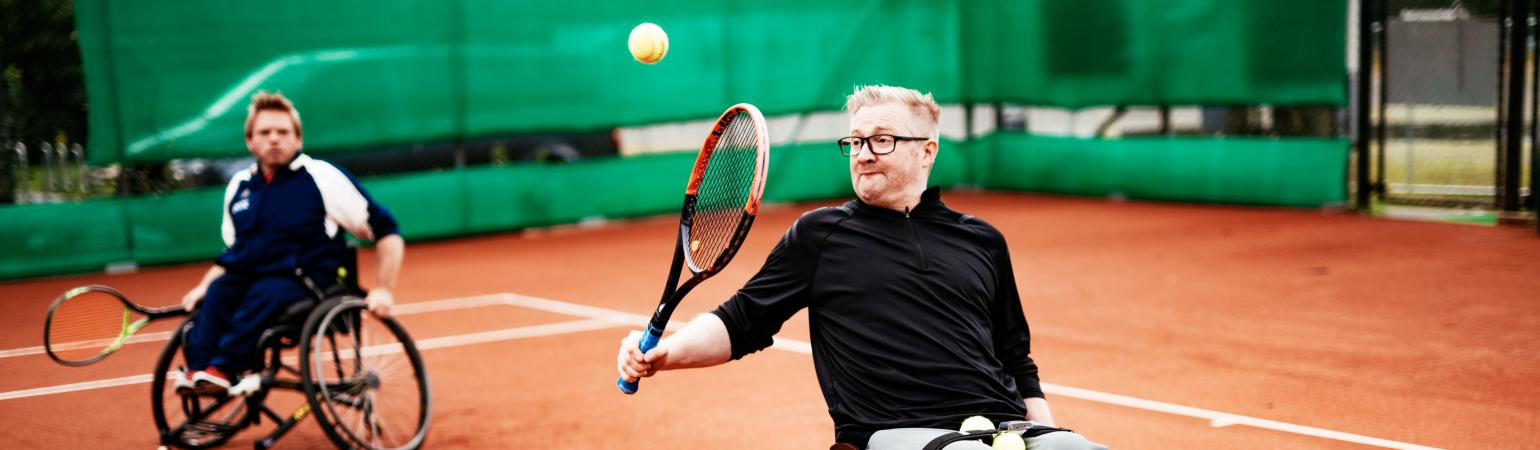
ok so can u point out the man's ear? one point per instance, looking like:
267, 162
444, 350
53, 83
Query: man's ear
930, 149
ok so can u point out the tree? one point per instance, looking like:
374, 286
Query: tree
40, 59
7, 167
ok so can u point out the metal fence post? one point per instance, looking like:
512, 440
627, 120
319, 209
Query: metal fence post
1365, 78
23, 178
61, 164
1516, 22
80, 169
47, 150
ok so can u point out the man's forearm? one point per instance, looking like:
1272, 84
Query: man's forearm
703, 342
1037, 411
214, 272
391, 250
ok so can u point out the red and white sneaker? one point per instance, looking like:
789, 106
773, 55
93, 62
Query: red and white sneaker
210, 381
248, 385
182, 381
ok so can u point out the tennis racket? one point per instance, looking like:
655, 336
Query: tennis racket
720, 202
88, 323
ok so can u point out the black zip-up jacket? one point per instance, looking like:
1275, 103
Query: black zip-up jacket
915, 317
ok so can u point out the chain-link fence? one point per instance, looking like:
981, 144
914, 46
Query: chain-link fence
1182, 120
51, 172
1442, 95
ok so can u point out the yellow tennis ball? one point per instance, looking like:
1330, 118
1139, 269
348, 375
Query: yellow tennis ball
1009, 441
648, 43
976, 423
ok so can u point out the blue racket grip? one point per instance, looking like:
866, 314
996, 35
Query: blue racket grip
649, 340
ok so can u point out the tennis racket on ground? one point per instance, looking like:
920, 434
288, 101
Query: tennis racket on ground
720, 203
88, 323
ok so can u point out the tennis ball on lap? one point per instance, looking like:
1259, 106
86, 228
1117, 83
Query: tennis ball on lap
1009, 441
976, 423
648, 43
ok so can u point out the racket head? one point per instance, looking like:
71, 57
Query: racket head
87, 323
725, 189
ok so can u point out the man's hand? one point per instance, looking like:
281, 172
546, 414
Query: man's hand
190, 300
632, 364
1037, 411
380, 300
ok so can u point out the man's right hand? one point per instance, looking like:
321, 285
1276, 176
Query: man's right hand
190, 300
632, 364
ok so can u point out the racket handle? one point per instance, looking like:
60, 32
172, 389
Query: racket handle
649, 340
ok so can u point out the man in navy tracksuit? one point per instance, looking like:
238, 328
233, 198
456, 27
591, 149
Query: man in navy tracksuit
286, 213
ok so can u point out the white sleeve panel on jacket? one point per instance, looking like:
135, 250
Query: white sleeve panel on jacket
227, 226
345, 205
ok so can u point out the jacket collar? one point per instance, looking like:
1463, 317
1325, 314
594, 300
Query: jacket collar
930, 204
300, 159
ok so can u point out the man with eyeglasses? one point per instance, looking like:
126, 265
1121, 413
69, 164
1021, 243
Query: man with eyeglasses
916, 322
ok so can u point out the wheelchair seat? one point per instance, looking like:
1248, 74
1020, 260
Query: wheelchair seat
291, 322
296, 313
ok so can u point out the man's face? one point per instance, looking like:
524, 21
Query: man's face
273, 140
883, 179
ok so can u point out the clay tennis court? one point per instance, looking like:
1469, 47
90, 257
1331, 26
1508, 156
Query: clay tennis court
1156, 326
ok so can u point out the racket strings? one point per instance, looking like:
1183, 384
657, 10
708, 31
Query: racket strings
724, 191
85, 325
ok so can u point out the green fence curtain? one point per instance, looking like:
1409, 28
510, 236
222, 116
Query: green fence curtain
171, 79
78, 237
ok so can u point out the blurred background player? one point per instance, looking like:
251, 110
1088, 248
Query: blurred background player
284, 214
915, 317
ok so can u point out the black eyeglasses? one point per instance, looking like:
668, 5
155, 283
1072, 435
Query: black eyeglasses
878, 144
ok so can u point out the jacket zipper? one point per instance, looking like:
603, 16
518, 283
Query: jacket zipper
916, 235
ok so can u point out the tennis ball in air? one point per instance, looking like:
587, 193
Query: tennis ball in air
1009, 441
976, 423
648, 43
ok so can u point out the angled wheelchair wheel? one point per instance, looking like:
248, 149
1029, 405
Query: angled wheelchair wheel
191, 421
364, 378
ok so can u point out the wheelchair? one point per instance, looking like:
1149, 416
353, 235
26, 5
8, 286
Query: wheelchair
361, 375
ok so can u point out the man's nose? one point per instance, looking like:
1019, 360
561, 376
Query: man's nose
864, 153
867, 157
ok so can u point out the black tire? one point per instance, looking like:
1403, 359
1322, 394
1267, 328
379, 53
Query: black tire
221, 419
359, 390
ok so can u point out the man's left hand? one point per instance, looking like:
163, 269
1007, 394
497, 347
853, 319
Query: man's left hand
380, 300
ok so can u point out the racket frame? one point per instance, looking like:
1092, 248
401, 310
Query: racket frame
128, 330
673, 292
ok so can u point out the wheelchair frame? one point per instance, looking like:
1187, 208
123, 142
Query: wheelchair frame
274, 341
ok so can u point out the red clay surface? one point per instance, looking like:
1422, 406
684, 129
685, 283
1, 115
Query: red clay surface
1422, 333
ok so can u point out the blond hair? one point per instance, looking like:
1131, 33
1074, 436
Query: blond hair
923, 106
271, 101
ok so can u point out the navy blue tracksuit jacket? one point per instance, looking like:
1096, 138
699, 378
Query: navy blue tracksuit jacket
271, 228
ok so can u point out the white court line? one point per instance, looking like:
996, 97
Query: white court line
573, 309
508, 334
1215, 418
425, 344
88, 385
449, 304
135, 339
1221, 419
602, 318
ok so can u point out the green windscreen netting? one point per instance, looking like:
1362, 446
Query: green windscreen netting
170, 79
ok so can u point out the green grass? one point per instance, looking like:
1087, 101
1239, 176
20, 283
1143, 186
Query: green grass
1446, 162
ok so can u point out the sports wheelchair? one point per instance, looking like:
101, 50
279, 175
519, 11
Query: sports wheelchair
361, 376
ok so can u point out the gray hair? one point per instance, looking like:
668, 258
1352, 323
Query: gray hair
923, 106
